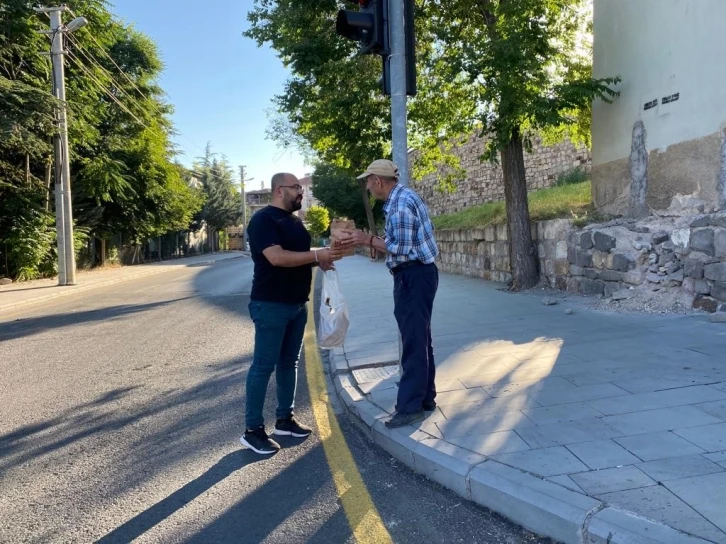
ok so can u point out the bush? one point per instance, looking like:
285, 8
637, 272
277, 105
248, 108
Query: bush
572, 176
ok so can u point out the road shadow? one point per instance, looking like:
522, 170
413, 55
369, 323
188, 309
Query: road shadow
139, 524
30, 326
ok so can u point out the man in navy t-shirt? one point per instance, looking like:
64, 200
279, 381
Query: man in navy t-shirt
280, 248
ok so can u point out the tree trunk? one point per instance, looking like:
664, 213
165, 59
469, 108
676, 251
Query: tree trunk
103, 252
368, 209
522, 252
27, 169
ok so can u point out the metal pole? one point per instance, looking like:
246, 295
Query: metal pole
63, 202
397, 30
397, 37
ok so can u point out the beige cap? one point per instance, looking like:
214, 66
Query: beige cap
381, 167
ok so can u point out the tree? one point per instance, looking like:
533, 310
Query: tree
123, 176
333, 100
341, 193
318, 220
520, 58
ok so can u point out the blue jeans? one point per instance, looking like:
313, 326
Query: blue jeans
279, 330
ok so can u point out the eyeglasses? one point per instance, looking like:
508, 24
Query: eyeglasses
297, 187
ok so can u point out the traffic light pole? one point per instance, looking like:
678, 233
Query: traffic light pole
397, 60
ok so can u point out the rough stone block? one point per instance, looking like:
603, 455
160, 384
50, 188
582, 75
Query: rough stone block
592, 287
603, 242
666, 257
634, 277
573, 285
590, 273
707, 304
502, 233
659, 237
718, 220
689, 285
610, 275
679, 237
702, 287
490, 234
622, 262
561, 250
719, 243
693, 268
703, 221
718, 291
600, 259
610, 288
576, 270
561, 267
585, 241
703, 240
561, 283
715, 272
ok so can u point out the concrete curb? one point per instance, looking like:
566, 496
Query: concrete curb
72, 290
541, 506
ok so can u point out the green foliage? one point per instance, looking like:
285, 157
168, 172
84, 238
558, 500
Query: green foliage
222, 201
573, 176
123, 176
567, 202
318, 221
341, 194
30, 242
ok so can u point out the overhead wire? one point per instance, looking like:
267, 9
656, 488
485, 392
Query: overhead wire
103, 88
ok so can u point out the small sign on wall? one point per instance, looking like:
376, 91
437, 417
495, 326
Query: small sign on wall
669, 102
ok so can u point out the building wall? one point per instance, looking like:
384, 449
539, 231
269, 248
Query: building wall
669, 54
484, 181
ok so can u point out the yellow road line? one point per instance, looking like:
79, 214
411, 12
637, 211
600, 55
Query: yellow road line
363, 517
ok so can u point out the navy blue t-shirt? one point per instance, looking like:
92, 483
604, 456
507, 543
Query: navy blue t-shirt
272, 226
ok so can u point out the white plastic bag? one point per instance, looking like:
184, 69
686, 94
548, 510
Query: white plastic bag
334, 319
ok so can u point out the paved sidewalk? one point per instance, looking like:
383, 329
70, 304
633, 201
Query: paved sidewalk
23, 293
588, 427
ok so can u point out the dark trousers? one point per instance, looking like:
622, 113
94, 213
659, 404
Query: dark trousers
414, 290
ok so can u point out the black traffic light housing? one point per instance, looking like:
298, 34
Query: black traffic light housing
369, 26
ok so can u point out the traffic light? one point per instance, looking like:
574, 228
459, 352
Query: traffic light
368, 25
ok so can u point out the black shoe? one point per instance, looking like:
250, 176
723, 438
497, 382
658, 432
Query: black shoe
429, 406
258, 441
401, 420
291, 427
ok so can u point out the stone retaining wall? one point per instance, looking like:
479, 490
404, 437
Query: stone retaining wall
484, 253
681, 255
484, 181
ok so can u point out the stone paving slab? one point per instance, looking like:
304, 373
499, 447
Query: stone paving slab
588, 428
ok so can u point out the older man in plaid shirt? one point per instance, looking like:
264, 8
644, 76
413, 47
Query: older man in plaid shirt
411, 254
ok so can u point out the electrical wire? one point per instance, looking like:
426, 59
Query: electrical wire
103, 88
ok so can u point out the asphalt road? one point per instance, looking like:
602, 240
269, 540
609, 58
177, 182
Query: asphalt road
120, 414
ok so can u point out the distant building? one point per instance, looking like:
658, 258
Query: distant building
256, 200
309, 199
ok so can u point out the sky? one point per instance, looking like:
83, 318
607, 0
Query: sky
219, 82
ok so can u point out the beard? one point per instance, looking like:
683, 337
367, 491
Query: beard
296, 204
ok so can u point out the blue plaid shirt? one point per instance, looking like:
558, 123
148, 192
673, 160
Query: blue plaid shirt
409, 232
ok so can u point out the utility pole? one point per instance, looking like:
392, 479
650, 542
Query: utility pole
63, 201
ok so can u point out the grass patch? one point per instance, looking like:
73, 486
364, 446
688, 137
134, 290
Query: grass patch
571, 201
